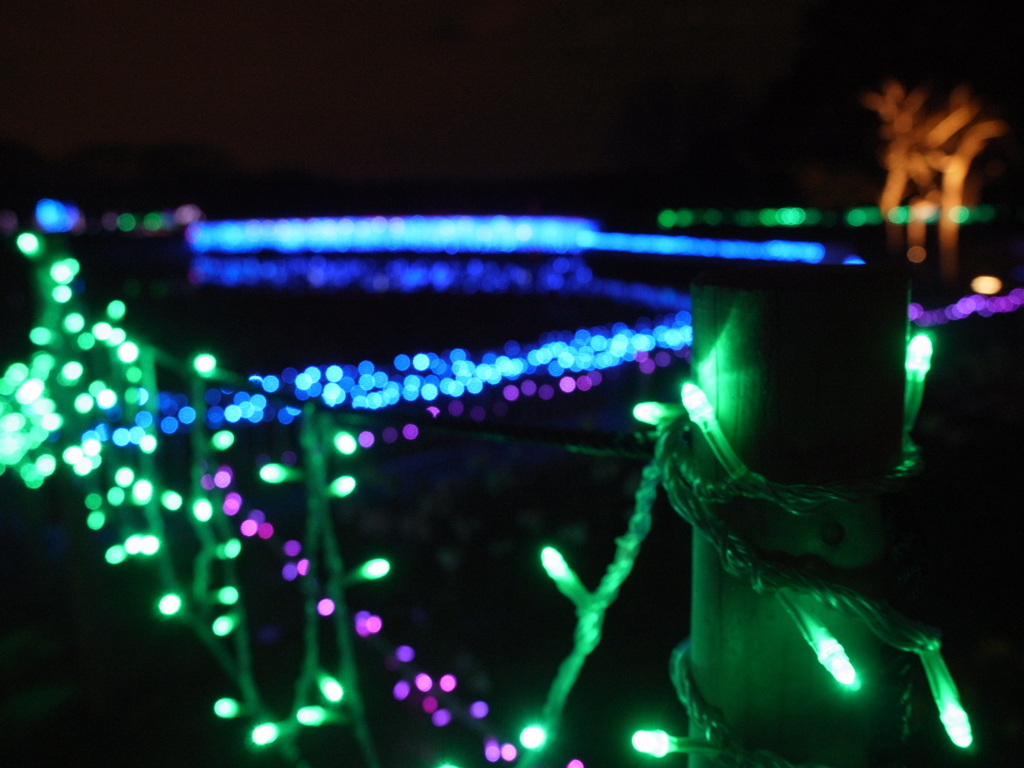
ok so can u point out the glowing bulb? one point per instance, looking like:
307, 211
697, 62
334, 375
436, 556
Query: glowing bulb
654, 413
202, 510
554, 563
696, 404
223, 439
331, 689
342, 486
171, 500
169, 604
702, 414
205, 364
311, 715
533, 737
833, 657
224, 625
278, 473
227, 595
226, 708
264, 733
128, 352
947, 698
116, 310
986, 284
374, 569
28, 244
919, 355
829, 652
653, 743
346, 443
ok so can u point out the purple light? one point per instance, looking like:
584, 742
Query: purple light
289, 572
258, 516
508, 752
292, 548
302, 567
401, 690
325, 607
360, 620
546, 392
410, 431
405, 654
249, 527
429, 704
223, 477
423, 682
567, 384
265, 530
289, 458
661, 359
500, 408
365, 439
441, 718
207, 482
647, 366
477, 413
434, 411
595, 377
389, 435
510, 392
914, 311
232, 503
529, 387
447, 683
455, 407
492, 751
479, 709
374, 624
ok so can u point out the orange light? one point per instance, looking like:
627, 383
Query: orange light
916, 254
986, 284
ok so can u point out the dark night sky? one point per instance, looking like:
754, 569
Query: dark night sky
377, 90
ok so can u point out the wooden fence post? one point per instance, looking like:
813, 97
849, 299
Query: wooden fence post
804, 366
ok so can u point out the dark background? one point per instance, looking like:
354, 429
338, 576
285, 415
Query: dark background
603, 109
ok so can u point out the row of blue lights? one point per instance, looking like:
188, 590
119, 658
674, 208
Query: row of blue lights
433, 234
563, 274
471, 234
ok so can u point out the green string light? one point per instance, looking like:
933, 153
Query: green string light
533, 737
342, 486
311, 715
947, 698
377, 568
346, 443
169, 604
827, 649
265, 733
205, 364
331, 689
226, 708
702, 413
279, 473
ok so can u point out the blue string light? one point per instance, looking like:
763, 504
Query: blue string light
471, 234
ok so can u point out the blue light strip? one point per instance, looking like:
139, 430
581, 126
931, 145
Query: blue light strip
681, 245
471, 234
564, 274
430, 234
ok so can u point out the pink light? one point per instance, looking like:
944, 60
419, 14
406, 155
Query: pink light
361, 618
405, 654
365, 439
390, 434
223, 477
567, 384
249, 527
232, 503
529, 387
325, 607
479, 709
374, 624
302, 567
508, 752
207, 482
575, 764
423, 682
401, 690
510, 392
265, 530
410, 431
447, 683
441, 718
292, 548
434, 411
455, 407
429, 704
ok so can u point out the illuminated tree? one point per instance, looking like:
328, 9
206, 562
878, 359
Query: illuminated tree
928, 153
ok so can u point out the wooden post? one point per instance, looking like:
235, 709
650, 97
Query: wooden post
805, 368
